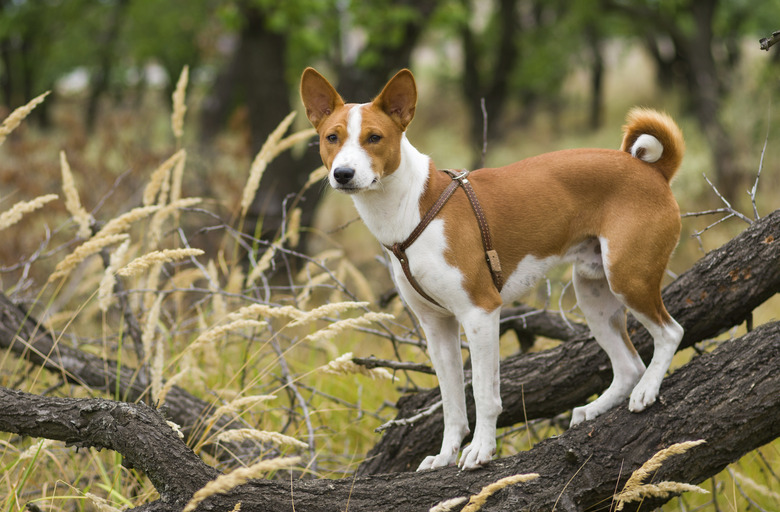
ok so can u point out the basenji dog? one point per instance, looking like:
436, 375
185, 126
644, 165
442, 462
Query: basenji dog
609, 212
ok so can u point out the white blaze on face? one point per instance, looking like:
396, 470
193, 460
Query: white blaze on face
353, 156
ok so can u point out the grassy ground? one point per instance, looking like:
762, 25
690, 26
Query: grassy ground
198, 336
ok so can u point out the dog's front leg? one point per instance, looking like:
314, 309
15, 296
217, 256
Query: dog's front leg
482, 332
444, 349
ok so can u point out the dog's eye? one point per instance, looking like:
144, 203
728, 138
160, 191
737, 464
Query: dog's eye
332, 138
373, 139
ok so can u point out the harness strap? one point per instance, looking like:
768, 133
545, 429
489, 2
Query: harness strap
491, 256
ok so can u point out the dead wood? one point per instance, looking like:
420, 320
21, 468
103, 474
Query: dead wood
728, 397
23, 335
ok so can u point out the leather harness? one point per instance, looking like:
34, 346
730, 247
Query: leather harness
459, 179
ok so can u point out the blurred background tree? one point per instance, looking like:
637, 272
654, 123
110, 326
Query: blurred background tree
520, 56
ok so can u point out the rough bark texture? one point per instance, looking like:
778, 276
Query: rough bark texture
23, 335
728, 397
718, 292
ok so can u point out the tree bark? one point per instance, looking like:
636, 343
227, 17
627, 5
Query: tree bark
728, 398
719, 291
23, 335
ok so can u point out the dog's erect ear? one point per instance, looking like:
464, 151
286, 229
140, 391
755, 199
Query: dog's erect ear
399, 98
319, 97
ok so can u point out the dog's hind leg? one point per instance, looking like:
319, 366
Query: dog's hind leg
606, 318
667, 334
442, 334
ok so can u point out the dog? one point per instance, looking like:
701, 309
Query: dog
609, 212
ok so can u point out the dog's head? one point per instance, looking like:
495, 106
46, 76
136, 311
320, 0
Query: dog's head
359, 144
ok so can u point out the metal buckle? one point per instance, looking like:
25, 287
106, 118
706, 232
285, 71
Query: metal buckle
460, 176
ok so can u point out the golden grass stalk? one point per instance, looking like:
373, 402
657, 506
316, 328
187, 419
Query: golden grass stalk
634, 489
291, 140
343, 365
161, 215
150, 326
264, 310
305, 294
82, 252
215, 333
35, 448
350, 323
749, 482
236, 508
101, 504
176, 179
106, 288
447, 505
217, 301
659, 490
362, 286
293, 232
151, 285
476, 501
262, 265
158, 361
142, 263
122, 223
17, 116
225, 483
72, 200
179, 105
168, 385
322, 258
240, 404
261, 436
159, 180
261, 161
10, 217
316, 176
657, 460
329, 309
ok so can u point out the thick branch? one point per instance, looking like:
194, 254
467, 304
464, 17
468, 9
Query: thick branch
25, 337
719, 291
728, 397
134, 430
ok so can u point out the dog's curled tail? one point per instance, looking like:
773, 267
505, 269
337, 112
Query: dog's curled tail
655, 138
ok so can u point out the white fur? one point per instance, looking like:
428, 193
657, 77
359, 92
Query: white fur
652, 146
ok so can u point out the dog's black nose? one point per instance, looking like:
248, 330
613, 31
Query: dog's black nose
343, 175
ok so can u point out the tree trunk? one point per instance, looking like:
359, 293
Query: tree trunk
728, 398
718, 292
256, 75
493, 84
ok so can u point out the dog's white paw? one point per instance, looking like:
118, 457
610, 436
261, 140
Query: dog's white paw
437, 461
478, 453
578, 415
585, 413
643, 396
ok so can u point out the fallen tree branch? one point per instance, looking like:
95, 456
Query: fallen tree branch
23, 335
728, 397
720, 291
767, 42
528, 323
372, 362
